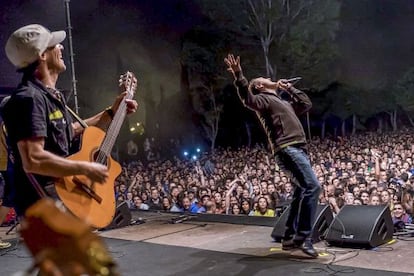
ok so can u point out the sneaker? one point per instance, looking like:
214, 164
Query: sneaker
289, 244
4, 245
307, 248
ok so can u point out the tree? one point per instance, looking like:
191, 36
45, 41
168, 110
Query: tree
349, 102
202, 53
343, 99
387, 105
263, 19
311, 45
403, 94
298, 36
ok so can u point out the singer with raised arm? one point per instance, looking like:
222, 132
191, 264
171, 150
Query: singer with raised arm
287, 141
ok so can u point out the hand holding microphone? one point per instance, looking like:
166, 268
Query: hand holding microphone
286, 84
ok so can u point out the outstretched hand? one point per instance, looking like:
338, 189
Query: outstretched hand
233, 64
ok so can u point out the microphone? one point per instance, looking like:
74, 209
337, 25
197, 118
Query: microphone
293, 80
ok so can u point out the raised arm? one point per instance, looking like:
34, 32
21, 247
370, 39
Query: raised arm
127, 84
233, 186
234, 67
254, 102
104, 118
377, 168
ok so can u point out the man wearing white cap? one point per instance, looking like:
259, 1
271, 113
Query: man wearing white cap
40, 128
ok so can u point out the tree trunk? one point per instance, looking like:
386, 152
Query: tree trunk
323, 129
343, 129
410, 120
267, 61
353, 124
380, 125
308, 124
249, 134
394, 120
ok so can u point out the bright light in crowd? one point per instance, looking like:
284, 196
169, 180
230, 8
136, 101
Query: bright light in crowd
194, 157
132, 129
185, 153
198, 150
138, 124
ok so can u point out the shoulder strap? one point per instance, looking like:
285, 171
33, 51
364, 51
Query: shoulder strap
4, 150
41, 192
59, 96
81, 122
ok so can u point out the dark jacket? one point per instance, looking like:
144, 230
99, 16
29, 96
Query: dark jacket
32, 111
279, 117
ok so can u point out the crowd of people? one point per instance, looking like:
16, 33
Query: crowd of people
365, 169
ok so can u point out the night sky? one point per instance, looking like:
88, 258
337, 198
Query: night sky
376, 36
109, 37
376, 41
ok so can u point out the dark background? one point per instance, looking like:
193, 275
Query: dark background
375, 43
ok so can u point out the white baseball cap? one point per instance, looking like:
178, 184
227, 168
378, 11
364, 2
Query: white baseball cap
26, 44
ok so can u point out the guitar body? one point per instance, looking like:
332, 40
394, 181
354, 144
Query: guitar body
92, 202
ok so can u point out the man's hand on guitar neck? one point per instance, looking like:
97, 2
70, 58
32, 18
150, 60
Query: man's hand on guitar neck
104, 118
131, 104
128, 85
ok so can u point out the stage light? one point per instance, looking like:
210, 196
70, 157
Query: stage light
194, 157
198, 149
185, 153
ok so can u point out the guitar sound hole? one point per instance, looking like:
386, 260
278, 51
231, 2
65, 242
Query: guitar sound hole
100, 157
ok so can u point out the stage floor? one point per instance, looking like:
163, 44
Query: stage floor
160, 247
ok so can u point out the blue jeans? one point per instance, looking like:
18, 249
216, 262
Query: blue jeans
295, 162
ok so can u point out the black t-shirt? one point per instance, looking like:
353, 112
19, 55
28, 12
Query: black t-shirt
33, 111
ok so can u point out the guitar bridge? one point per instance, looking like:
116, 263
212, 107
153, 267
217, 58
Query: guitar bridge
87, 189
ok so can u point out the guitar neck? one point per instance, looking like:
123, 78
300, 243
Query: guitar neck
129, 82
114, 128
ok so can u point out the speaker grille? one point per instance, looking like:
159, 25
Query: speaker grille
361, 226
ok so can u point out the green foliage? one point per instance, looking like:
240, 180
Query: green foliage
277, 38
203, 50
290, 37
202, 53
310, 47
404, 92
344, 101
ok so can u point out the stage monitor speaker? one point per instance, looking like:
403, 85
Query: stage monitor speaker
361, 226
122, 217
323, 219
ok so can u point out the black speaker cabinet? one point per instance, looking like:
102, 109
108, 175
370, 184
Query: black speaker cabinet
361, 226
122, 217
323, 219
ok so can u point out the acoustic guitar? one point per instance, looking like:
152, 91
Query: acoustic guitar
95, 202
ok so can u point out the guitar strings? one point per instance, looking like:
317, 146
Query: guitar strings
115, 126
